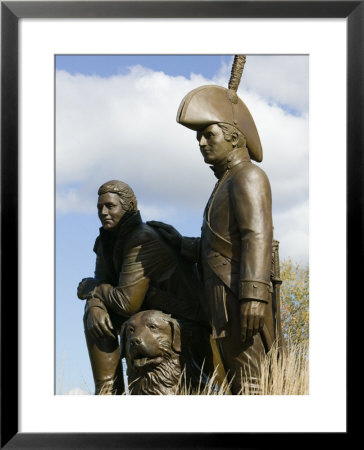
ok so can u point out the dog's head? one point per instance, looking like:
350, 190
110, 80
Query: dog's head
148, 338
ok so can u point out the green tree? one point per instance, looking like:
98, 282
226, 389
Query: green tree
295, 302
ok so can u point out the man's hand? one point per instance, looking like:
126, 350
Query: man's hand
85, 287
252, 318
99, 324
168, 232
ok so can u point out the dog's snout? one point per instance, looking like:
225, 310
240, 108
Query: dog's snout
135, 341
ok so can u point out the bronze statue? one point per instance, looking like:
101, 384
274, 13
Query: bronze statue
136, 269
235, 248
151, 343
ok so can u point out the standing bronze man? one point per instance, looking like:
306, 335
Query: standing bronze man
235, 249
135, 270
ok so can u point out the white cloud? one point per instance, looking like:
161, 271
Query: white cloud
279, 80
73, 199
77, 391
124, 127
291, 230
155, 213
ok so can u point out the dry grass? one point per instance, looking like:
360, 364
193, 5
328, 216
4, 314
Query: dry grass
288, 375
211, 387
106, 390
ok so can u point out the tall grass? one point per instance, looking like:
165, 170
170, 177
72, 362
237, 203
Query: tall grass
285, 375
279, 375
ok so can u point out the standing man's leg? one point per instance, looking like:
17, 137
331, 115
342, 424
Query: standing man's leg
241, 361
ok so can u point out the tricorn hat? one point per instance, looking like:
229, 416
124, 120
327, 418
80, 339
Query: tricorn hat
211, 104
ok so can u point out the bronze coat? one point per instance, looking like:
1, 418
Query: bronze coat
137, 270
235, 250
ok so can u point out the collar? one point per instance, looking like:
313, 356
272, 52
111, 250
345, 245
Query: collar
235, 157
126, 224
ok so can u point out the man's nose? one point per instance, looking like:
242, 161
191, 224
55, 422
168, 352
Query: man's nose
103, 211
202, 142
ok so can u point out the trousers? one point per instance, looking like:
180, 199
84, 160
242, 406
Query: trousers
105, 362
241, 360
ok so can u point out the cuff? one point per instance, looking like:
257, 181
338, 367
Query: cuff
101, 291
255, 290
91, 302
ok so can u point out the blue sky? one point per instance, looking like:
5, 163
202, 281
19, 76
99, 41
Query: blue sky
108, 65
115, 119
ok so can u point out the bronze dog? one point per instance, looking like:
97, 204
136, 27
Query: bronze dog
151, 344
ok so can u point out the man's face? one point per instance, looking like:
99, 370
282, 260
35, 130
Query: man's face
212, 144
109, 210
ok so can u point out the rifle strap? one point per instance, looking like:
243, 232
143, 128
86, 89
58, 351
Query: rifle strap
220, 244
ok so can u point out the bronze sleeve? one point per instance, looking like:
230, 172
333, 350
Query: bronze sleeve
251, 197
141, 263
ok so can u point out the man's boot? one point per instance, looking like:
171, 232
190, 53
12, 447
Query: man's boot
106, 365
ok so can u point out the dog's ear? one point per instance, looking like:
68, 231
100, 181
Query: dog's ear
176, 335
123, 340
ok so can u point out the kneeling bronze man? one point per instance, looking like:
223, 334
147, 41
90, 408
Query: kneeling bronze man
136, 269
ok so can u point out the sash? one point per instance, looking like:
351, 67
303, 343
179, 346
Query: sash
220, 244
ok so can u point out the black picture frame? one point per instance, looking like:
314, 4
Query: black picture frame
11, 12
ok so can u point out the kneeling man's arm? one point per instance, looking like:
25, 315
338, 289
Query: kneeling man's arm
141, 263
